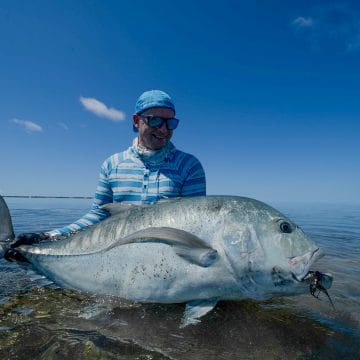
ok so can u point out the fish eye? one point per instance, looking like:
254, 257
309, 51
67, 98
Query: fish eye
285, 227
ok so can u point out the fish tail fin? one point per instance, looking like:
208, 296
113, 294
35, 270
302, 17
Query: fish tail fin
6, 227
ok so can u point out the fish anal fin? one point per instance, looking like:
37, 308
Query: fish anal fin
195, 309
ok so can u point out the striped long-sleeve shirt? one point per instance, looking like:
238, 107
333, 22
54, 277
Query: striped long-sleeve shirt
128, 177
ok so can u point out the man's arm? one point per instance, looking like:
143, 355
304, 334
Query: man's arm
195, 182
103, 195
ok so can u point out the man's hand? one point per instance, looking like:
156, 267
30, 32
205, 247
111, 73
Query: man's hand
29, 239
11, 254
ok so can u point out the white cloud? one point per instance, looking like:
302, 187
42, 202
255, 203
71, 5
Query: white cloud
63, 125
335, 26
302, 22
29, 126
100, 109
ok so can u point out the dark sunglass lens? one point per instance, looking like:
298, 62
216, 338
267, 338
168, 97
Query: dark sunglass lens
155, 122
172, 123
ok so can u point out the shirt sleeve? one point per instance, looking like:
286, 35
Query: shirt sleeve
103, 195
195, 181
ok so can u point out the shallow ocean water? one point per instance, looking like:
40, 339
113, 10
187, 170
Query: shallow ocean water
41, 321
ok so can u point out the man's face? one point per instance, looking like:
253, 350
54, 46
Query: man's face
153, 139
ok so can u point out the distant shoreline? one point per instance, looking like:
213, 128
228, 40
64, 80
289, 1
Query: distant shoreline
46, 197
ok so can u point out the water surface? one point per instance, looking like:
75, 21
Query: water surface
39, 320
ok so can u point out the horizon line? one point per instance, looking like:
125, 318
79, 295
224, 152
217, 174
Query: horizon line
47, 197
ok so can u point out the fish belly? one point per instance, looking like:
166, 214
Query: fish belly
148, 272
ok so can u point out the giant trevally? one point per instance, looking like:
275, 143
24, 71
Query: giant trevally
196, 250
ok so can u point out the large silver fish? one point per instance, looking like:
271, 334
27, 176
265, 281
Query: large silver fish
196, 250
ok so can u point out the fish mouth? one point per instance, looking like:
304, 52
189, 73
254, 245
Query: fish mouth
299, 269
299, 265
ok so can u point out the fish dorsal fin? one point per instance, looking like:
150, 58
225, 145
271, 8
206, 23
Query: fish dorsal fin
118, 208
185, 244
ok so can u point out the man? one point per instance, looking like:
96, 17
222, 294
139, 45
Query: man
149, 170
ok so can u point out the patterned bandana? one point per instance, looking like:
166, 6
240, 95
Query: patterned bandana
153, 158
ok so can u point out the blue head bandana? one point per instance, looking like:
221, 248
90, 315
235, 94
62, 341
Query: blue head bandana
153, 98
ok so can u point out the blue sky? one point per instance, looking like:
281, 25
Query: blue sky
268, 92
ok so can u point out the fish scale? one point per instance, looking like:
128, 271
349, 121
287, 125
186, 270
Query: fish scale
197, 250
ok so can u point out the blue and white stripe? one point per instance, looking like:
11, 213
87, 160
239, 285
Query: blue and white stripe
128, 177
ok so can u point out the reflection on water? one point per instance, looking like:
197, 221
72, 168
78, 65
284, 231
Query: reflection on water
41, 321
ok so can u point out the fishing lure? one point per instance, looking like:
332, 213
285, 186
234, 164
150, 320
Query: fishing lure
319, 282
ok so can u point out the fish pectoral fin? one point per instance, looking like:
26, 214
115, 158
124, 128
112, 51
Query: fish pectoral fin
186, 245
196, 309
201, 257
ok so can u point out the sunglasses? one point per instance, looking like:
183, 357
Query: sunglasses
157, 122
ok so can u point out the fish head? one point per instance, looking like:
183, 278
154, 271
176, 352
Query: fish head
289, 254
268, 253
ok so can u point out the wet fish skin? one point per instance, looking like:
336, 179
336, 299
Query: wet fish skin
153, 253
6, 228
